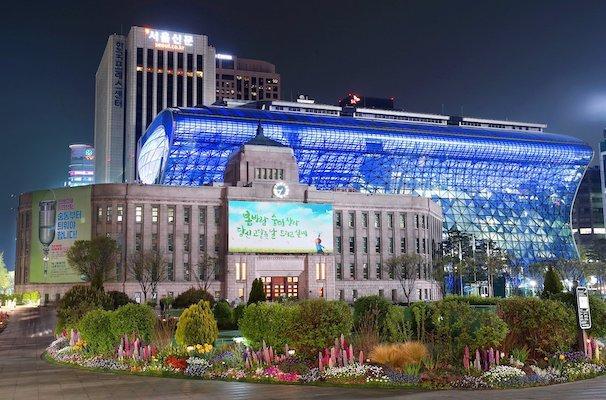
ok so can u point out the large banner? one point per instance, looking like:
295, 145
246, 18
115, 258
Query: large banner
280, 227
59, 217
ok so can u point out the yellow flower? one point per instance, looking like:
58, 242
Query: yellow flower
562, 357
545, 358
190, 349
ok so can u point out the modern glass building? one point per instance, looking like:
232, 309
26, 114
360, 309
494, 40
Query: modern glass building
512, 185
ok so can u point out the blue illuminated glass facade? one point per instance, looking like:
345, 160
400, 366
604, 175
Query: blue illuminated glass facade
515, 188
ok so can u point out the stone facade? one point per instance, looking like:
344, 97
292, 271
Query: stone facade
188, 224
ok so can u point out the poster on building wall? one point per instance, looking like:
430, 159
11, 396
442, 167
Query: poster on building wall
280, 227
59, 217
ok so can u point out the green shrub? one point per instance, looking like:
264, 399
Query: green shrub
238, 313
78, 301
316, 323
224, 315
374, 308
597, 307
151, 303
32, 297
118, 299
474, 300
257, 293
95, 328
269, 322
552, 284
398, 328
134, 320
192, 296
544, 326
197, 325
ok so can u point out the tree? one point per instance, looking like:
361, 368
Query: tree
5, 279
257, 294
148, 268
439, 267
406, 269
94, 259
552, 283
208, 268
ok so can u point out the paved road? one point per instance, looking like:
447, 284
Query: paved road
24, 375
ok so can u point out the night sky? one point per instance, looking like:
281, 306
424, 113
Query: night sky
521, 60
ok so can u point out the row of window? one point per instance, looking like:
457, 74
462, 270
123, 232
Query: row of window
107, 211
380, 271
420, 221
422, 294
170, 243
269, 173
421, 246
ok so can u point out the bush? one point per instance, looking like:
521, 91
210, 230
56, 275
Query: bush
398, 328
32, 297
118, 299
95, 328
269, 322
399, 355
316, 324
375, 306
238, 314
474, 300
545, 326
134, 319
193, 296
197, 325
78, 301
257, 294
552, 284
224, 315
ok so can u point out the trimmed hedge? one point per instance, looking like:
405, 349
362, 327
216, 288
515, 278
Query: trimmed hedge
269, 322
78, 301
134, 320
192, 296
224, 315
95, 328
197, 325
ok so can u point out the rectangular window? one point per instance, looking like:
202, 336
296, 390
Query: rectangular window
381, 293
379, 271
217, 211
170, 79
424, 246
426, 296
394, 295
171, 242
202, 243
339, 270
170, 271
201, 215
186, 215
119, 213
154, 241
320, 271
138, 243
420, 298
99, 213
240, 271
423, 221
155, 212
418, 245
390, 221
391, 245
341, 294
108, 215
186, 242
365, 245
338, 219
352, 244
365, 270
377, 220
186, 271
352, 271
338, 244
416, 220
138, 214
402, 220
216, 243
378, 245
355, 294
351, 219
365, 220
171, 214
402, 245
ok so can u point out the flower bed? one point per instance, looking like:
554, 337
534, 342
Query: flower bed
237, 362
3, 320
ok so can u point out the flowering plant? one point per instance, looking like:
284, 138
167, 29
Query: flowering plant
196, 366
200, 349
176, 363
275, 373
503, 375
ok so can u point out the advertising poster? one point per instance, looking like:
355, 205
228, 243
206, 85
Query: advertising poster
59, 217
274, 227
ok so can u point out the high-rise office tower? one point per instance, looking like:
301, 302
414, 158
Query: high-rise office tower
81, 165
246, 79
139, 75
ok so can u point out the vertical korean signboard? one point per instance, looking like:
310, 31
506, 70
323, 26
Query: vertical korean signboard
59, 217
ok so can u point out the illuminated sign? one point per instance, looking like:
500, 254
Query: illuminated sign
89, 154
224, 57
280, 227
169, 40
118, 74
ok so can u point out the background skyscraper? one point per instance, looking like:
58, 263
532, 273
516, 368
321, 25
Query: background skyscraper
139, 75
246, 79
81, 165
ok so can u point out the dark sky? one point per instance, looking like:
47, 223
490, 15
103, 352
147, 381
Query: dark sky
521, 60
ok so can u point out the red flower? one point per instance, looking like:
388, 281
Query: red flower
176, 362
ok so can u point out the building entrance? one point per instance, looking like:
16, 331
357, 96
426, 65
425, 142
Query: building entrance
280, 286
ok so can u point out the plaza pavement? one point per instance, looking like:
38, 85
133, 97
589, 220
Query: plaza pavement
24, 376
